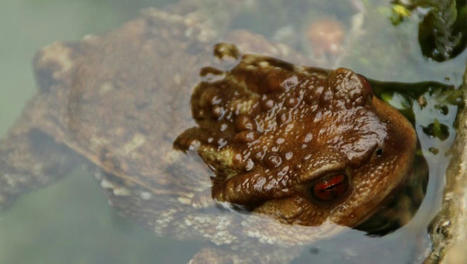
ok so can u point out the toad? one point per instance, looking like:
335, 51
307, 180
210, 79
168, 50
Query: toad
301, 144
288, 147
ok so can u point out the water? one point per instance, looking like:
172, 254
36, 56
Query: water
71, 222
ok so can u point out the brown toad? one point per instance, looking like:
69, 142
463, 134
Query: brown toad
117, 103
302, 144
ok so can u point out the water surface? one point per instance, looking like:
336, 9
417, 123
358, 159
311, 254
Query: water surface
70, 222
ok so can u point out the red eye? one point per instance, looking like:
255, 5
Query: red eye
331, 187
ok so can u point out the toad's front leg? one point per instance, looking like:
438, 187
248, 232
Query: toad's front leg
30, 159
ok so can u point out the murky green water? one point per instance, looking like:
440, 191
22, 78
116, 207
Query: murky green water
70, 222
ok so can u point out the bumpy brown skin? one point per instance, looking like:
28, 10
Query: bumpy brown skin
269, 130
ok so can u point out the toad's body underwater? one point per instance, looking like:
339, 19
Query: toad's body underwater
304, 150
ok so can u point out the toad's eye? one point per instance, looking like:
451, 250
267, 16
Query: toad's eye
330, 188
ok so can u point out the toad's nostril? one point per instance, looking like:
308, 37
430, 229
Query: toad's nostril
379, 152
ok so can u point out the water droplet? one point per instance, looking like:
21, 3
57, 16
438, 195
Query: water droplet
288, 155
245, 136
308, 137
273, 160
221, 142
244, 122
223, 127
249, 165
290, 82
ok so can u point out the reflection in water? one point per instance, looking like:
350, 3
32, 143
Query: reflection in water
117, 103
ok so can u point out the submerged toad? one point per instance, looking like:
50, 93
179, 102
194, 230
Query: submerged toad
300, 144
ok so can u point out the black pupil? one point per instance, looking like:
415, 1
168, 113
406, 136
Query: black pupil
379, 152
